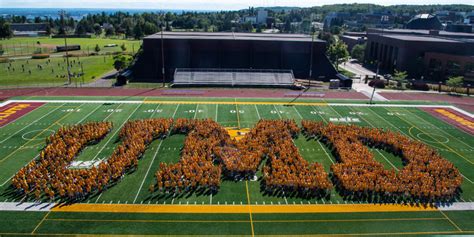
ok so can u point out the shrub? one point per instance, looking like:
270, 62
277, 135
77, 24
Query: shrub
420, 86
380, 84
40, 56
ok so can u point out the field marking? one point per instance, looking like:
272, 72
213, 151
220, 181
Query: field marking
245, 221
448, 147
151, 163
248, 102
297, 112
446, 133
41, 222
21, 147
341, 234
452, 222
258, 113
402, 132
243, 209
249, 207
35, 121
80, 121
238, 116
369, 123
110, 138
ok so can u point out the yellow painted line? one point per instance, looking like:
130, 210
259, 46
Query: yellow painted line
235, 102
249, 206
242, 221
321, 208
41, 222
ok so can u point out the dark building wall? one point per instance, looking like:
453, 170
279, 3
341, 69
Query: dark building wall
216, 53
408, 55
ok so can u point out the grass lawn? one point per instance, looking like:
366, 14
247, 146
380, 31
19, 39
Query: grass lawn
21, 141
27, 45
54, 70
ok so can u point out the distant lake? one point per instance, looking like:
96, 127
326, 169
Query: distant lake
77, 13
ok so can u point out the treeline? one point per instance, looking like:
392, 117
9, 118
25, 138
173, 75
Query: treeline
282, 18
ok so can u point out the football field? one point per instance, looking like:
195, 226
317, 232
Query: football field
239, 207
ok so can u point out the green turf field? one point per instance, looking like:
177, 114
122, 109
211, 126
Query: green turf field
21, 141
27, 45
53, 71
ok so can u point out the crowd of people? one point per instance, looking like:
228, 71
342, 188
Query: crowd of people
50, 174
209, 153
196, 168
426, 175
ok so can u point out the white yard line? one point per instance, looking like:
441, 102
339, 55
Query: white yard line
402, 132
31, 123
369, 123
277, 111
89, 114
258, 113
442, 130
118, 129
151, 164
298, 112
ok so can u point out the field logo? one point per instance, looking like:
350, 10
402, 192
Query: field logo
456, 118
13, 111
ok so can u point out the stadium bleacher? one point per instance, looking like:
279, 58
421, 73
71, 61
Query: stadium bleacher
233, 77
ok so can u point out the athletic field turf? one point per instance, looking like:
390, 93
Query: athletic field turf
239, 208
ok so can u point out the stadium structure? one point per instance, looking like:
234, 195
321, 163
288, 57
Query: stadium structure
275, 58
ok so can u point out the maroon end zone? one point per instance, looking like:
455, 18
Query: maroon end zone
13, 111
467, 126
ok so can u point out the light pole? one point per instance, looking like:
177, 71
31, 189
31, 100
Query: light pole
162, 57
311, 60
62, 13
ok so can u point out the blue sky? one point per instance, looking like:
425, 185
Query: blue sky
200, 4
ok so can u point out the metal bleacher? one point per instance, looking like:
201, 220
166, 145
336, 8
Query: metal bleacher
233, 77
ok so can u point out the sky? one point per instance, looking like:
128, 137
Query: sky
201, 4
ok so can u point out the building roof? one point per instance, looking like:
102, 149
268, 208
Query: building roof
421, 38
234, 36
425, 22
421, 32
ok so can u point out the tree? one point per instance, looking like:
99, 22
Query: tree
5, 30
122, 61
97, 48
97, 29
110, 31
400, 77
137, 31
338, 53
455, 82
358, 52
